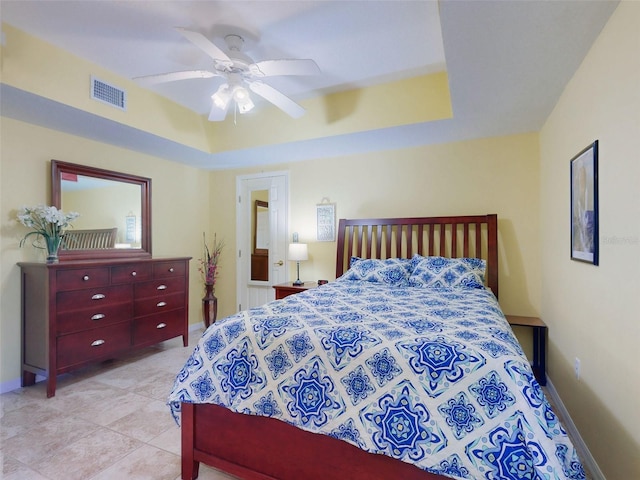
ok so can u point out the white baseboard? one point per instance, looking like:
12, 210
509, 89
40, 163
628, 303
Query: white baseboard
581, 447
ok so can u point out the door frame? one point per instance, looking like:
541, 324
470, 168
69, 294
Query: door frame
243, 232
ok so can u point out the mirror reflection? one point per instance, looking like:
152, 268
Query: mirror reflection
109, 210
114, 208
260, 235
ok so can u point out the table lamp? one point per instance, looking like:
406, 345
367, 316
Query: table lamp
298, 253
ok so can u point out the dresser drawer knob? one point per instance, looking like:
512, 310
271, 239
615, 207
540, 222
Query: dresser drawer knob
85, 278
98, 316
134, 273
98, 296
97, 343
161, 304
171, 270
161, 287
161, 325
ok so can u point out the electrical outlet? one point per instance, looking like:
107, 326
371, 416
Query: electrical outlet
576, 367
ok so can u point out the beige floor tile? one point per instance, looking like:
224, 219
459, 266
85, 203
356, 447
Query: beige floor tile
86, 457
22, 397
18, 420
157, 386
169, 440
12, 469
149, 421
99, 403
47, 438
145, 463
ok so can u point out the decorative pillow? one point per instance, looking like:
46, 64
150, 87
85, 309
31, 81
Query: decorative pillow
392, 271
441, 272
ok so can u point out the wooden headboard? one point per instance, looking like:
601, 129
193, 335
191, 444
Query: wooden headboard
474, 236
90, 239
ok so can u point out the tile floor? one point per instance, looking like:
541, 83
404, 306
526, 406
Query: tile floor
107, 421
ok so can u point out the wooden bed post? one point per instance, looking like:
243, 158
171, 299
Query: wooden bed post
492, 253
190, 468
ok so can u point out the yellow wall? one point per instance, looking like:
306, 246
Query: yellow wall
29, 64
180, 210
593, 312
495, 175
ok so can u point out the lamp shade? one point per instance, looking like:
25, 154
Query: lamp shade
298, 252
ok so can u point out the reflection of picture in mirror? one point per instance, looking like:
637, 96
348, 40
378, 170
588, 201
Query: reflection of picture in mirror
131, 232
104, 204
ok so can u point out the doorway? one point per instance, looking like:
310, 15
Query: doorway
262, 226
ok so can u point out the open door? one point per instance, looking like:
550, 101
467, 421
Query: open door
262, 226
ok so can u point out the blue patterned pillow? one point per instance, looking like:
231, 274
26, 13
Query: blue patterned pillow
392, 271
441, 272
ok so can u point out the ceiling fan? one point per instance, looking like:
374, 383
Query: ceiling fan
239, 71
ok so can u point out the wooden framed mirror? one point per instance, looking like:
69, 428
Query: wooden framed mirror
114, 208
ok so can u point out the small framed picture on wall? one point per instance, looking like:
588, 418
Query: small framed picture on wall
326, 222
584, 205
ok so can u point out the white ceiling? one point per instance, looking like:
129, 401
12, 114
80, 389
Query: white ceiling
507, 61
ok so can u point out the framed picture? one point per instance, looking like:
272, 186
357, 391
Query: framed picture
584, 205
326, 222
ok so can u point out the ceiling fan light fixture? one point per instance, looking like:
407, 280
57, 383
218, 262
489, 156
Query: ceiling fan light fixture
222, 97
243, 100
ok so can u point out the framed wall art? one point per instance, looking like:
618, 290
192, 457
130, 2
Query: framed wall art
326, 221
584, 205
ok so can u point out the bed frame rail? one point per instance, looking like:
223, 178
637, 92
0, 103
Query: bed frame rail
453, 237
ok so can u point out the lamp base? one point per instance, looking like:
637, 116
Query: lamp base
298, 282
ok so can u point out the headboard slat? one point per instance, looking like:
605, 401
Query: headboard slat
405, 237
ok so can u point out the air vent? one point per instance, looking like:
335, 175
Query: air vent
107, 93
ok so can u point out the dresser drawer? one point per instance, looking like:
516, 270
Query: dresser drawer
93, 344
169, 269
159, 287
129, 273
156, 305
93, 298
99, 316
156, 328
73, 279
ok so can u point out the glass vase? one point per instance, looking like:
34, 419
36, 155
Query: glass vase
209, 306
53, 245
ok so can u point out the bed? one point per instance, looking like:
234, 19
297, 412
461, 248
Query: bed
403, 368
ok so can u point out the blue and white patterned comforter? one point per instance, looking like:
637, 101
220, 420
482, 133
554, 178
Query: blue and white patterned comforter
433, 377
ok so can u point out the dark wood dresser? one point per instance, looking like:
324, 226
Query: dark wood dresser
78, 312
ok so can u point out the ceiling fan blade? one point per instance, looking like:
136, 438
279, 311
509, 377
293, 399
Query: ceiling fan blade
279, 99
270, 68
173, 76
202, 42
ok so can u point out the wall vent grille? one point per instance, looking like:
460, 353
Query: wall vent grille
107, 93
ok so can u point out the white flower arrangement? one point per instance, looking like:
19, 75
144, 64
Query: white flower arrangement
47, 222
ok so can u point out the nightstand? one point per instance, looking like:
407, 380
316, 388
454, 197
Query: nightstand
286, 289
539, 343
